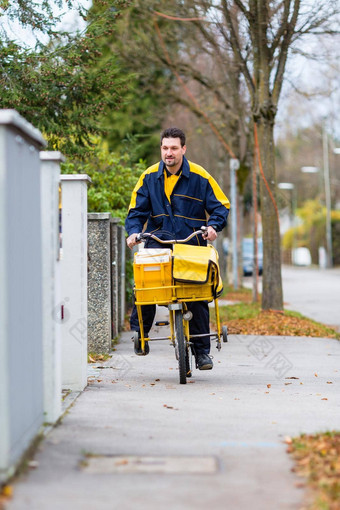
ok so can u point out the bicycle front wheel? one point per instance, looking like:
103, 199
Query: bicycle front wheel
181, 347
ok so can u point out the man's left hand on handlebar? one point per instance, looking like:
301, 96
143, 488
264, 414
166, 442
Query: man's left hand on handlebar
210, 234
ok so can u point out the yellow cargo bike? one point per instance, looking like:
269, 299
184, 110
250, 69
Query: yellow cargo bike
173, 277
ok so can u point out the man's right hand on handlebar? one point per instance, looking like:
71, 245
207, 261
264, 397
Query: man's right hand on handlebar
131, 241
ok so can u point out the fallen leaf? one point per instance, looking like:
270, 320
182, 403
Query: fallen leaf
157, 380
286, 383
269, 385
329, 382
292, 377
7, 491
316, 375
324, 399
122, 462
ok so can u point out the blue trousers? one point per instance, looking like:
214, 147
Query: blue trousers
199, 323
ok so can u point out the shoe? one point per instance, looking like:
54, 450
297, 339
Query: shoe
204, 362
138, 346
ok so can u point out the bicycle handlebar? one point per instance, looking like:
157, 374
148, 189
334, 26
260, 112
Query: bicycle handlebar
142, 236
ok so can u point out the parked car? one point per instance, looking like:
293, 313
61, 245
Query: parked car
248, 256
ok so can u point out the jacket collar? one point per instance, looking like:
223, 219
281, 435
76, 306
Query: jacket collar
185, 168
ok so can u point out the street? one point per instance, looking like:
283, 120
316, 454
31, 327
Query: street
311, 291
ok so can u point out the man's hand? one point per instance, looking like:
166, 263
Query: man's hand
210, 234
131, 241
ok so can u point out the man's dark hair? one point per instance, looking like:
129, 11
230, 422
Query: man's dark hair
173, 132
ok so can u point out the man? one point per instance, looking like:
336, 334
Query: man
176, 197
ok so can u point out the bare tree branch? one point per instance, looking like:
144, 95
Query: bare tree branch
236, 47
287, 38
282, 28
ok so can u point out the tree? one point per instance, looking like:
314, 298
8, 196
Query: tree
143, 106
62, 86
259, 34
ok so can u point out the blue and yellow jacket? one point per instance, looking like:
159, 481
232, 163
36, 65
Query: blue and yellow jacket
195, 200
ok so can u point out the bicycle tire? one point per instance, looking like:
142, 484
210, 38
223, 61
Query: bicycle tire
182, 365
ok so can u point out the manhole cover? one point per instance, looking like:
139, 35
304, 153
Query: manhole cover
135, 464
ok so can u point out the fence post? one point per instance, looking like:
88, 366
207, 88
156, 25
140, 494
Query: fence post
74, 281
99, 283
21, 358
50, 183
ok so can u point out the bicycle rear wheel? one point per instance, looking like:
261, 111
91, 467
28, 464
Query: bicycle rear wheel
182, 365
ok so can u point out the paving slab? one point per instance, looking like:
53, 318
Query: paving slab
222, 434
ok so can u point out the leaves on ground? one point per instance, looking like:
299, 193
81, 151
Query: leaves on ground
249, 319
317, 458
94, 357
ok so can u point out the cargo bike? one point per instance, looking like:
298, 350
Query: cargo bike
172, 278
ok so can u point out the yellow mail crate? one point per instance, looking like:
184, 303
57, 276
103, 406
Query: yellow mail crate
152, 271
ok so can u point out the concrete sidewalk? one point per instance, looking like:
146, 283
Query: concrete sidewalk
215, 442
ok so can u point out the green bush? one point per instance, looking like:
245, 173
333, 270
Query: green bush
113, 179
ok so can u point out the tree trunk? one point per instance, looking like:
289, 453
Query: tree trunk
271, 280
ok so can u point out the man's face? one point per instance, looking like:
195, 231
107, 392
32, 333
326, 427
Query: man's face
172, 152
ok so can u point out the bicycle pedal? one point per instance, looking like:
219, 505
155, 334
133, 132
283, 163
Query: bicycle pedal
162, 323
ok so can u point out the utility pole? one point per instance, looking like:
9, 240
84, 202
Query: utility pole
234, 166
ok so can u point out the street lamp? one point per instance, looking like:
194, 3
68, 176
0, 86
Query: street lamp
309, 169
